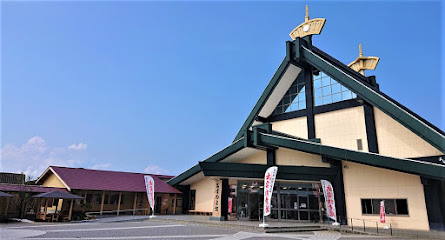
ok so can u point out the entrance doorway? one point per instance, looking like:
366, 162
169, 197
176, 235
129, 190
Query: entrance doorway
290, 201
158, 204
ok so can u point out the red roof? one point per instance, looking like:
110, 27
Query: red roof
87, 179
28, 188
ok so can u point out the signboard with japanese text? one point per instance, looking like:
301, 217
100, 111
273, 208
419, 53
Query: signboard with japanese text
230, 202
329, 198
269, 181
217, 199
150, 187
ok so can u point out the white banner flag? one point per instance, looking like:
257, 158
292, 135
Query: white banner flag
150, 187
269, 181
328, 192
382, 212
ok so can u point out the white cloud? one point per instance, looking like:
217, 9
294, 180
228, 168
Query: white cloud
80, 146
155, 169
34, 156
101, 166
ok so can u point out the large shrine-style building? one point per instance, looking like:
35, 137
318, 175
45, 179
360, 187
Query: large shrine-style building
321, 119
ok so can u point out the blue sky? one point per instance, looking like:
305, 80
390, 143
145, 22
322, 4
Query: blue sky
158, 86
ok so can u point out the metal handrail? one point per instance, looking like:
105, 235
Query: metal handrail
364, 224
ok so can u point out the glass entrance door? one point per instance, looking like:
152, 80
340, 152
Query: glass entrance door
242, 198
253, 206
290, 201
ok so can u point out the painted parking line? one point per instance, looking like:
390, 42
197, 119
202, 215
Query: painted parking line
142, 237
111, 229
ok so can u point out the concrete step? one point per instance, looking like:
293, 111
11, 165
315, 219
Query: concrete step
304, 228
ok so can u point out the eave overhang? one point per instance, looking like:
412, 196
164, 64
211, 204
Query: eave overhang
425, 169
242, 170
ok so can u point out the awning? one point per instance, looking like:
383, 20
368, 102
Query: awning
3, 194
58, 195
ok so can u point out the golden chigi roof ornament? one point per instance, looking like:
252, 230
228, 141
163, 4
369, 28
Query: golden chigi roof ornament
364, 63
309, 27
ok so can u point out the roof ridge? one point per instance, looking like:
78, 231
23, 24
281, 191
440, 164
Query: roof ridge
98, 170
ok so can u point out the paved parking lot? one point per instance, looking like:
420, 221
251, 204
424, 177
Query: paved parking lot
151, 230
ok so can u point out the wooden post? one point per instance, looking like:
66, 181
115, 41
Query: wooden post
134, 203
102, 203
45, 208
71, 210
57, 205
7, 206
174, 206
119, 203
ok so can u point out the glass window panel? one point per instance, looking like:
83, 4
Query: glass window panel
294, 98
336, 88
304, 215
294, 95
376, 206
286, 100
315, 216
325, 82
366, 206
402, 206
327, 99
336, 97
326, 90
390, 207
329, 90
301, 97
346, 95
317, 93
302, 105
286, 108
317, 84
317, 76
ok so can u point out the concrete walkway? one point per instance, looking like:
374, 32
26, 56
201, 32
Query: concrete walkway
253, 226
249, 225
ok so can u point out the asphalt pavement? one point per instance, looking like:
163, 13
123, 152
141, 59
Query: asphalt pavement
153, 230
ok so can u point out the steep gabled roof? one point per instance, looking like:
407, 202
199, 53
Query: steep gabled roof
297, 51
88, 179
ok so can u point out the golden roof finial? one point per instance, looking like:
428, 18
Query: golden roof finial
308, 27
363, 63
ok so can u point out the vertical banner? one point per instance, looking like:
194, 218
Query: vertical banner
230, 202
382, 212
329, 198
269, 181
150, 187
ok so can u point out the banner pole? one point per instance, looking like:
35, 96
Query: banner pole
269, 181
